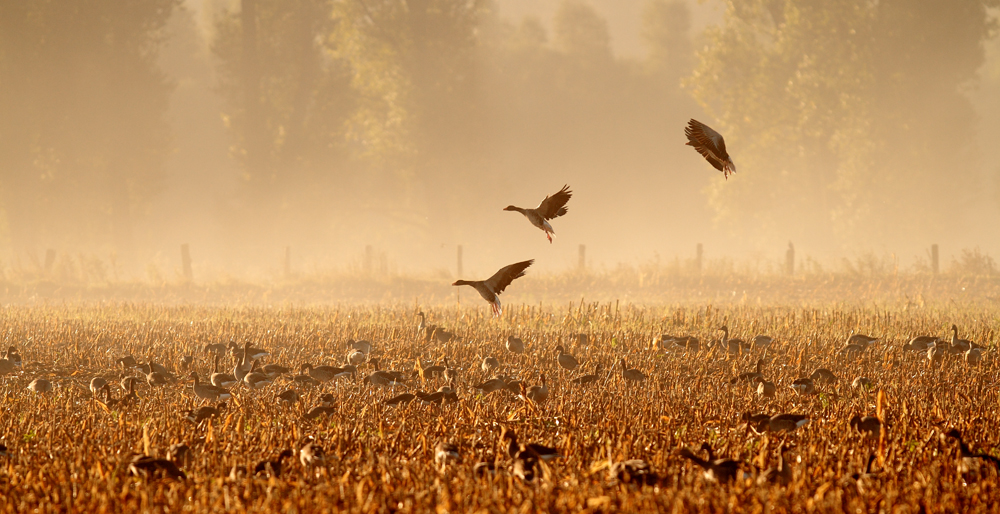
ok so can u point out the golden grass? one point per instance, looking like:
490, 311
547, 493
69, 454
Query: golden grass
70, 453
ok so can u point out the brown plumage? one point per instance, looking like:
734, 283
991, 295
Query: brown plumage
491, 288
551, 207
711, 145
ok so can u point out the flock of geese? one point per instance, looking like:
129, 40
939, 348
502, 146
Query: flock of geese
527, 459
709, 143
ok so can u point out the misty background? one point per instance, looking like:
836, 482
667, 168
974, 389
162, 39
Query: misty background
245, 127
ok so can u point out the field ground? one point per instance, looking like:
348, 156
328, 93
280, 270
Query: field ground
70, 452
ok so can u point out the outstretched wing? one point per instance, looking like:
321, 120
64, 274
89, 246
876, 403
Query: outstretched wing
501, 279
555, 205
708, 142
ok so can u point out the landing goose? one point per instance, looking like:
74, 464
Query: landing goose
711, 145
551, 207
491, 288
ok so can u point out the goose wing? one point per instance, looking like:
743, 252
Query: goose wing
554, 205
501, 279
707, 142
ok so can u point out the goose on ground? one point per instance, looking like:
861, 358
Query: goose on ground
524, 467
305, 381
731, 345
142, 465
127, 361
178, 453
450, 373
255, 379
540, 451
920, 343
312, 455
275, 370
484, 468
186, 362
969, 461
13, 356
868, 426
209, 392
322, 410
588, 379
243, 362
862, 383
401, 399
221, 379
959, 345
784, 422
40, 385
973, 356
322, 373
782, 474
935, 354
631, 375
750, 376
490, 364
96, 384
247, 351
383, 378
716, 470
216, 348
156, 379
4, 452
272, 467
711, 145
130, 396
202, 413
514, 345
446, 453
762, 342
129, 383
429, 372
551, 207
491, 385
153, 367
538, 393
491, 288
823, 375
633, 471
6, 366
803, 386
362, 346
356, 357
287, 397
566, 361
766, 389
860, 339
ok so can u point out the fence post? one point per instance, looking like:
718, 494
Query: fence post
698, 256
288, 261
790, 259
583, 257
934, 259
186, 262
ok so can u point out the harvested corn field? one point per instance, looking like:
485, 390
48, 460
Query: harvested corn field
598, 407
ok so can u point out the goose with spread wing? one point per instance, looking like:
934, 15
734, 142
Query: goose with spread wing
551, 207
710, 145
491, 288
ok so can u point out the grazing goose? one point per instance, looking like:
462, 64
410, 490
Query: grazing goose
959, 345
566, 361
142, 465
514, 449
272, 467
766, 389
711, 145
973, 356
516, 386
484, 468
551, 207
362, 346
538, 393
305, 381
803, 386
186, 362
151, 367
490, 364
156, 379
40, 385
716, 470
515, 345
255, 379
130, 396
920, 344
861, 340
383, 378
427, 373
216, 348
450, 373
202, 413
287, 397
247, 353
868, 426
6, 366
762, 342
446, 453
322, 373
312, 455
221, 379
97, 384
631, 375
862, 383
782, 423
178, 453
823, 375
524, 467
780, 475
633, 471
733, 346
400, 399
489, 386
209, 392
750, 376
935, 354
275, 370
491, 288
13, 356
969, 462
322, 410
587, 379
356, 357
753, 420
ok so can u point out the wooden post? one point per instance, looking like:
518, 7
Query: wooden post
50, 260
369, 256
790, 259
288, 262
698, 256
583, 257
186, 262
934, 259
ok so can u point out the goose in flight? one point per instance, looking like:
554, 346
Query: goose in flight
710, 145
491, 288
551, 207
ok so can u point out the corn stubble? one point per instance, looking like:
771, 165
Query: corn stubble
70, 451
